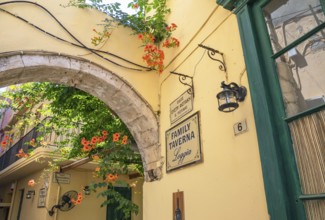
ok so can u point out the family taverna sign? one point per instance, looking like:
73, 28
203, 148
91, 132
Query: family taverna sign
183, 143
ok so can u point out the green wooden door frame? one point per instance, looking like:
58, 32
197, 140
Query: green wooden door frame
266, 117
281, 180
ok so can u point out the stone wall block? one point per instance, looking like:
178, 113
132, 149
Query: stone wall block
151, 155
13, 62
60, 61
35, 60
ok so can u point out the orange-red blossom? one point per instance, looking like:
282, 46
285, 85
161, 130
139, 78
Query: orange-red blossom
124, 139
88, 145
5, 141
22, 154
154, 57
171, 27
111, 177
31, 183
79, 199
116, 137
171, 42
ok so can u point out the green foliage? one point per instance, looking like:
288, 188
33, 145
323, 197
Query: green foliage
88, 127
148, 17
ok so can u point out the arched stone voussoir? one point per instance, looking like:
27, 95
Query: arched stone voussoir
118, 94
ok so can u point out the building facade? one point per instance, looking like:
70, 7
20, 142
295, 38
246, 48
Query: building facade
264, 160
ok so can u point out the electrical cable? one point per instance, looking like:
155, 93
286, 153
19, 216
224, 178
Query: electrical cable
190, 41
94, 51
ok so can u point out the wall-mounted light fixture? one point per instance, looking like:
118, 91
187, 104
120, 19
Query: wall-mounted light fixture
231, 94
229, 97
86, 190
30, 194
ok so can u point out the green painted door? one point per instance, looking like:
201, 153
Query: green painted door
284, 49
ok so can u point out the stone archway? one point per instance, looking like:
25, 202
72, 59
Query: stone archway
135, 112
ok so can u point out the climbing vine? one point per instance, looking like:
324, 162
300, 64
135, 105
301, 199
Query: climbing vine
90, 130
148, 22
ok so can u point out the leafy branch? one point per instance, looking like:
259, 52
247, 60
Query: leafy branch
148, 19
89, 129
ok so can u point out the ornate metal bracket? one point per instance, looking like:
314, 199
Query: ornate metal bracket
184, 80
212, 52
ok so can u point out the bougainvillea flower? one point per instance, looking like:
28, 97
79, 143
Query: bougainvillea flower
124, 139
79, 196
116, 137
86, 148
94, 139
84, 141
111, 177
78, 201
22, 154
101, 139
171, 42
173, 25
31, 183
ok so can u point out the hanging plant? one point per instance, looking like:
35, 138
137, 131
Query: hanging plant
148, 22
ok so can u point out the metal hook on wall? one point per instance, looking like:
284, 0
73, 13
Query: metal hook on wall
212, 52
183, 79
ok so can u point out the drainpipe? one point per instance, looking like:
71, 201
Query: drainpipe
58, 200
51, 190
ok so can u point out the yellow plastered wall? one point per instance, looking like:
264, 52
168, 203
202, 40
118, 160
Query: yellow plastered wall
16, 35
29, 208
228, 183
6, 194
90, 207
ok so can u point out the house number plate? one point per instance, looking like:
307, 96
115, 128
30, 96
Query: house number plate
240, 127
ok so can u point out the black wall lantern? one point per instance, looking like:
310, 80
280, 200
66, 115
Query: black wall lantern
229, 97
231, 94
86, 190
30, 194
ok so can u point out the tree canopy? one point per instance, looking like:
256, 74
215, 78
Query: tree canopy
89, 128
